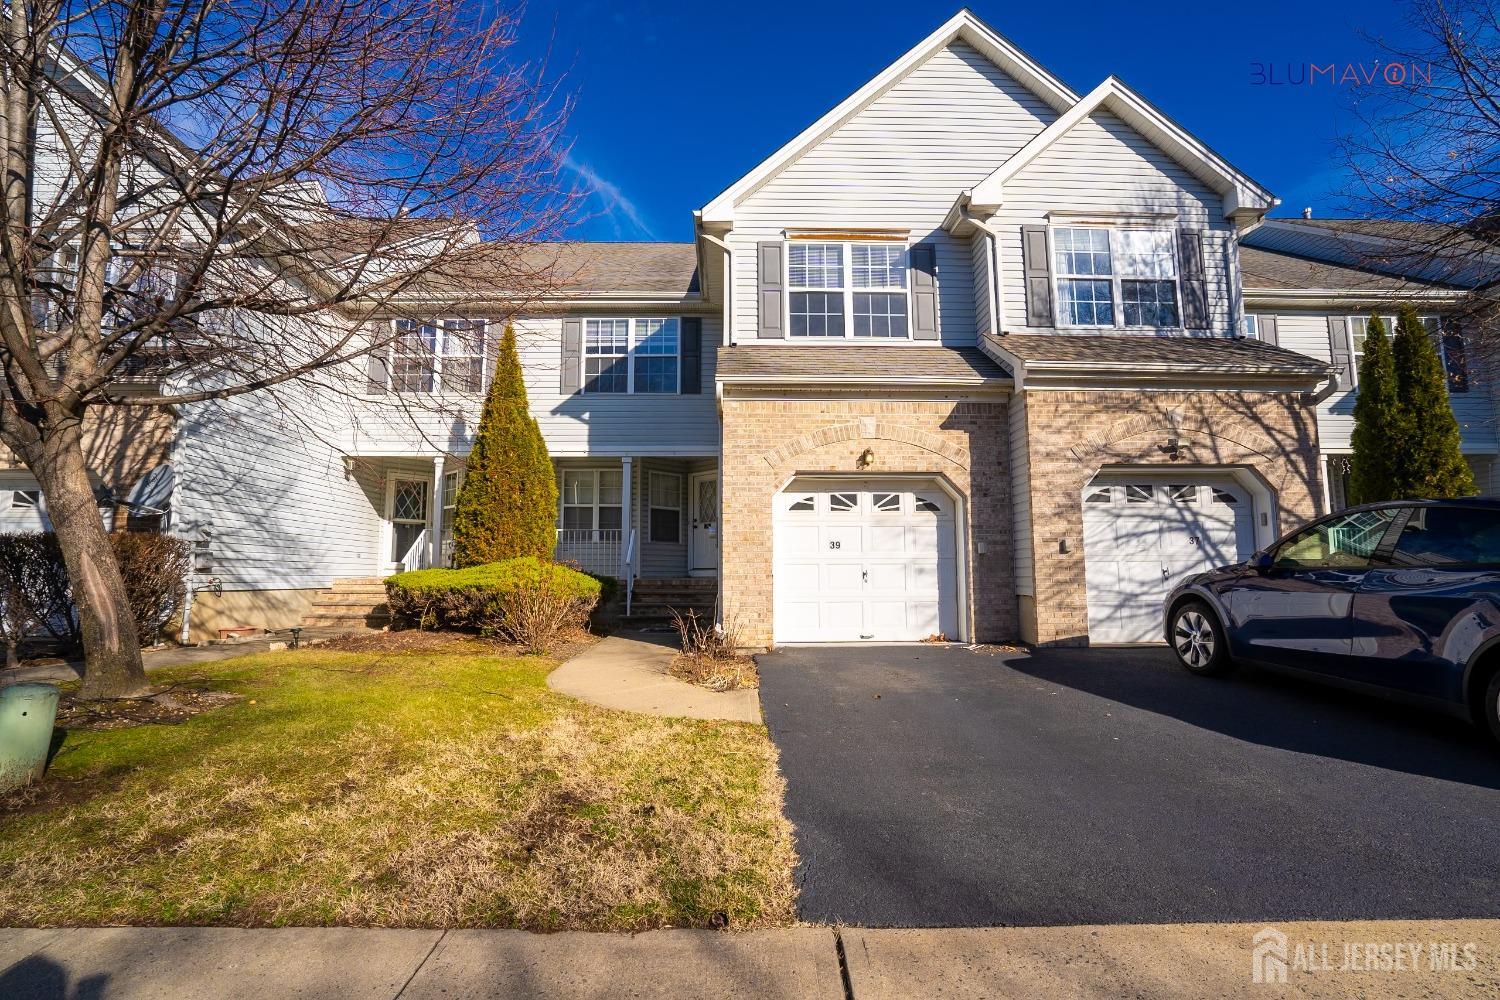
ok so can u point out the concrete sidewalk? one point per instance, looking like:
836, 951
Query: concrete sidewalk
629, 672
1173, 961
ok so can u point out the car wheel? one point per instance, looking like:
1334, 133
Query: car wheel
1198, 640
1492, 707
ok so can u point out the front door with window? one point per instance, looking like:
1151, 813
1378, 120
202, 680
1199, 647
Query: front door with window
407, 512
703, 548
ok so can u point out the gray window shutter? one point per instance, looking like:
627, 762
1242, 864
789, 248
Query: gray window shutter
1455, 356
1265, 325
924, 292
1194, 282
377, 367
572, 355
1037, 264
772, 283
692, 355
1338, 349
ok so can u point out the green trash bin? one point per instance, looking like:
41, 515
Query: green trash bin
27, 712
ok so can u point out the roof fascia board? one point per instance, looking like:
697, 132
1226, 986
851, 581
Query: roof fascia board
963, 25
1350, 296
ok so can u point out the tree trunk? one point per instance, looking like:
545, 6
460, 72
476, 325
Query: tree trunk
111, 649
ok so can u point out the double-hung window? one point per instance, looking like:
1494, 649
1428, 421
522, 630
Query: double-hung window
592, 499
442, 355
666, 507
1445, 337
847, 290
1108, 277
632, 355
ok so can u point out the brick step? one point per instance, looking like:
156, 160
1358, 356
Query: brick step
317, 619
677, 583
640, 609
326, 599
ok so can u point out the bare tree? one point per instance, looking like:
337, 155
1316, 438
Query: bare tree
206, 198
1424, 150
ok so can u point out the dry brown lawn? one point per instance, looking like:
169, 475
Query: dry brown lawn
432, 787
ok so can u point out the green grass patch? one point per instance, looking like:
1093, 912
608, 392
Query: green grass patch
416, 789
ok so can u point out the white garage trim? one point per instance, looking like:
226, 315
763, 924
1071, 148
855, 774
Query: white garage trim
800, 618
1146, 529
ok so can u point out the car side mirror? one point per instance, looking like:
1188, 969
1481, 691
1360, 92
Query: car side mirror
1261, 561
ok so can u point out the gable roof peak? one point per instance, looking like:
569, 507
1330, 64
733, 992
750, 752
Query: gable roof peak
962, 26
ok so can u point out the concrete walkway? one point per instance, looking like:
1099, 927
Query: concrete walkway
629, 672
808, 963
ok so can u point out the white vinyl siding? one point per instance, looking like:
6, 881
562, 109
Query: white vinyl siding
1105, 166
1306, 332
897, 165
979, 255
573, 425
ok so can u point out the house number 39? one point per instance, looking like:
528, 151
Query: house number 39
834, 545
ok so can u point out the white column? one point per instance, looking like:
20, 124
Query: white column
627, 522
435, 519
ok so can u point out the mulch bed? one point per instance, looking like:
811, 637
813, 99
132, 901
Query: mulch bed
716, 674
170, 704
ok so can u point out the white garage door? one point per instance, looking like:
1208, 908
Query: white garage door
22, 508
865, 560
1141, 536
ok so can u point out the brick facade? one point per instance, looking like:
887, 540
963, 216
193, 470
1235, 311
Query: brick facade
766, 442
1071, 435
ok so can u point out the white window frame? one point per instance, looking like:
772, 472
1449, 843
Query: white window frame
1252, 326
639, 329
652, 506
1115, 278
1355, 326
596, 505
848, 289
26, 499
446, 334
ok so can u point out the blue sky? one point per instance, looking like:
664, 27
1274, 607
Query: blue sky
677, 100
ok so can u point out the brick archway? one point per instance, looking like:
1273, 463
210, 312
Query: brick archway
866, 429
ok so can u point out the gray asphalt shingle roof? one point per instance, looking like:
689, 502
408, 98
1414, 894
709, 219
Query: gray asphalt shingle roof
1269, 269
896, 362
1188, 354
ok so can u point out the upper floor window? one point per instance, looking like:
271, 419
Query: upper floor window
443, 355
853, 289
1252, 326
1445, 337
1116, 277
632, 355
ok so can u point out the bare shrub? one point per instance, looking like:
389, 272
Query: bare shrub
536, 616
34, 594
710, 654
155, 568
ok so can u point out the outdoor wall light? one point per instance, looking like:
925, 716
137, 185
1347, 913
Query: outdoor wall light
1172, 449
867, 458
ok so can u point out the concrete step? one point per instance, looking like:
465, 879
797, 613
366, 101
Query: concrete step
362, 588
693, 583
360, 581
654, 610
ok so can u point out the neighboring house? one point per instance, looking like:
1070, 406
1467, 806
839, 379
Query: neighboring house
1311, 285
962, 359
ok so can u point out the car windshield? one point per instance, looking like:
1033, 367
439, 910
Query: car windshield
1342, 542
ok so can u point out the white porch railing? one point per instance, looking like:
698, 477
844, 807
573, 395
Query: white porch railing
596, 550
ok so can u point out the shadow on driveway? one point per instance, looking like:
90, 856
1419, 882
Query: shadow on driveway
936, 786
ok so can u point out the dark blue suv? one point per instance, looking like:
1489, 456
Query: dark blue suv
1400, 599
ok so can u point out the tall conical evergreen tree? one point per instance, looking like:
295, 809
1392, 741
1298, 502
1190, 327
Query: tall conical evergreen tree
1378, 432
1431, 464
507, 505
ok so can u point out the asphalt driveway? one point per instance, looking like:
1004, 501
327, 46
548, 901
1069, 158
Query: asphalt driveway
936, 786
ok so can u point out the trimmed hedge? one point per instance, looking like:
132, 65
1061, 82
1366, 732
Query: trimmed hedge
476, 597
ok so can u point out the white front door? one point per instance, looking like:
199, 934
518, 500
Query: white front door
703, 545
1143, 534
865, 559
406, 534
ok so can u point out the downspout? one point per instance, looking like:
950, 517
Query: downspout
724, 334
997, 298
725, 340
1329, 388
